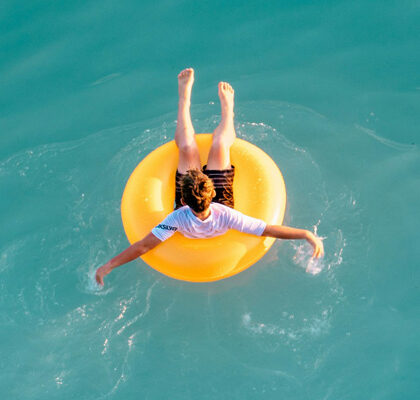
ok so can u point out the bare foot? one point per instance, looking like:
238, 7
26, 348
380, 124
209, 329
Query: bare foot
185, 82
226, 94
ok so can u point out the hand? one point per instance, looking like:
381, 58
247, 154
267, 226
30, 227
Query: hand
101, 272
316, 244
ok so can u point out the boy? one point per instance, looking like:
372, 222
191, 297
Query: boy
204, 199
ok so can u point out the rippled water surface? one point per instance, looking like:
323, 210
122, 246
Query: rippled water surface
330, 90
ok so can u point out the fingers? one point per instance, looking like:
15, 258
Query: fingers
316, 244
318, 250
99, 278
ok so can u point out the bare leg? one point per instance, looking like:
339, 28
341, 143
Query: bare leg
224, 135
189, 156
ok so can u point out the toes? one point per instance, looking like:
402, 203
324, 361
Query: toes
185, 72
225, 87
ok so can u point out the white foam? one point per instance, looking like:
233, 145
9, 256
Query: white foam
387, 142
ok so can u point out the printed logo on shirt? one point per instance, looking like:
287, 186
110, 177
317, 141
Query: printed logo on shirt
167, 227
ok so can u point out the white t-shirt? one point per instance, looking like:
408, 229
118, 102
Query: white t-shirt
220, 220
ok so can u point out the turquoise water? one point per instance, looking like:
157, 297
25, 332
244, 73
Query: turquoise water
329, 89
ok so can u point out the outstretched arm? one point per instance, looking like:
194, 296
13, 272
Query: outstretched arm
135, 250
286, 232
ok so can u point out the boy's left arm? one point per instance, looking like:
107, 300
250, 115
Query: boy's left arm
286, 232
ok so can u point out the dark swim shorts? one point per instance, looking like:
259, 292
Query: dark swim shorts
223, 185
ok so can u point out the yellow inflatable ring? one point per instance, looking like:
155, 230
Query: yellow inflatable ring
259, 191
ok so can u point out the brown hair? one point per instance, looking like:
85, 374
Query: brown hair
197, 190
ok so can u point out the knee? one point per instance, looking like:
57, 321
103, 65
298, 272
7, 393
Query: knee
221, 144
188, 149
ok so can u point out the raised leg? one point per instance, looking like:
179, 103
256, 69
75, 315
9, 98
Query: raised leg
224, 135
189, 156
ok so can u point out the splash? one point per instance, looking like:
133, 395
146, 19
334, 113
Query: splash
315, 326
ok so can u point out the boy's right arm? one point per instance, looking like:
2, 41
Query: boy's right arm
135, 250
286, 232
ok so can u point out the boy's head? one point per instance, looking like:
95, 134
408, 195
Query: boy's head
197, 190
